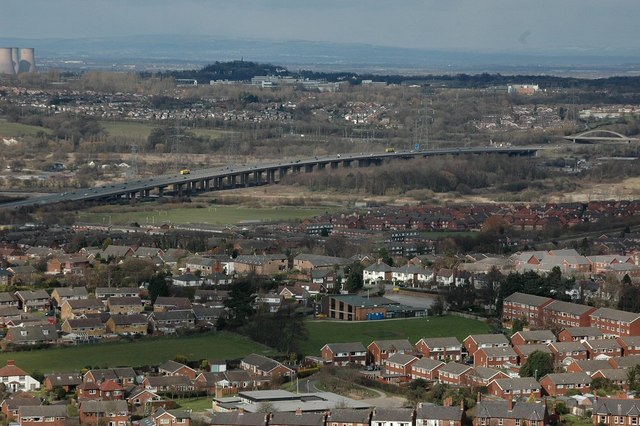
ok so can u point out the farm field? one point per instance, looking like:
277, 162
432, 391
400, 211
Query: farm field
214, 215
322, 332
149, 351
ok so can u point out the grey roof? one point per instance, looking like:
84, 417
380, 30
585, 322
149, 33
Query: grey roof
349, 415
346, 347
628, 361
178, 302
521, 410
171, 366
71, 291
455, 368
258, 260
392, 415
116, 290
493, 339
619, 407
378, 267
297, 419
616, 315
615, 374
85, 323
441, 342
104, 406
238, 418
397, 344
603, 344
43, 411
537, 335
262, 362
14, 403
85, 304
527, 350
436, 412
402, 359
499, 351
568, 378
320, 261
155, 381
115, 251
6, 297
129, 319
568, 307
584, 332
527, 299
630, 340
428, 363
484, 372
572, 346
592, 365
518, 383
32, 295
65, 379
178, 314
124, 301
39, 333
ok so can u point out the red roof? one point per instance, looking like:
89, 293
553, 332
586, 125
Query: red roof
10, 370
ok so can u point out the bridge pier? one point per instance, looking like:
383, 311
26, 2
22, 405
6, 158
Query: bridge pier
283, 171
232, 180
322, 166
308, 168
271, 176
335, 164
346, 163
257, 177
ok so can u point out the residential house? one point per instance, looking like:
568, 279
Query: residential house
10, 314
173, 368
37, 300
495, 357
66, 264
125, 305
613, 322
565, 352
614, 412
141, 397
616, 376
66, 381
517, 388
344, 353
10, 407
588, 366
308, 262
162, 417
628, 361
398, 367
454, 374
579, 334
110, 390
524, 351
348, 416
42, 415
427, 369
71, 309
206, 317
127, 324
435, 415
510, 413
187, 280
533, 336
567, 314
260, 264
169, 322
482, 376
297, 418
126, 376
476, 341
60, 294
233, 418
84, 328
8, 300
32, 334
380, 350
104, 293
169, 384
441, 348
393, 417
376, 273
16, 379
602, 348
113, 413
630, 345
264, 366
555, 384
116, 252
163, 304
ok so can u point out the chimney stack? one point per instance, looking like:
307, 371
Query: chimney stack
510, 404
11, 362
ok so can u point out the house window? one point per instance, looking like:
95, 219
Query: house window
164, 421
483, 421
500, 422
517, 422
634, 421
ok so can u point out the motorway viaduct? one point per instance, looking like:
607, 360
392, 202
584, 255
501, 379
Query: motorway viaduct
242, 176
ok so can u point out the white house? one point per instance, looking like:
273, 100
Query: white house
377, 272
16, 379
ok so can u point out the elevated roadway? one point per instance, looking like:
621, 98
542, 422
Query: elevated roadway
214, 179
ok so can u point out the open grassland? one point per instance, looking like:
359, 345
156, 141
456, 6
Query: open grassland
322, 332
8, 129
215, 215
148, 351
140, 130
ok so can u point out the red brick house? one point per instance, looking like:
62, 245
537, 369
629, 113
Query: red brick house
66, 381
566, 314
624, 361
482, 376
433, 415
427, 369
510, 413
344, 353
578, 334
381, 350
42, 415
533, 337
588, 366
521, 387
606, 347
568, 351
614, 412
497, 357
350, 416
11, 406
476, 341
524, 351
110, 390
525, 307
114, 413
399, 365
454, 374
617, 376
613, 322
173, 368
630, 345
555, 384
163, 417
440, 348
264, 366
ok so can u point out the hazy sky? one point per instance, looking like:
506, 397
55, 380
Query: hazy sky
496, 25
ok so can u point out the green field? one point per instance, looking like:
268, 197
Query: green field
148, 351
322, 332
139, 130
8, 129
215, 215
195, 404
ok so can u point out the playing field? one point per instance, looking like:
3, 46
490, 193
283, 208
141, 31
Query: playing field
322, 332
215, 215
141, 352
139, 130
8, 129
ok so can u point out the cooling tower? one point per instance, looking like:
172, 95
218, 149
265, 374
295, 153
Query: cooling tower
6, 62
15, 57
27, 60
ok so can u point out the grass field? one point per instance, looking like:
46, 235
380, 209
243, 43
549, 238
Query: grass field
322, 332
139, 130
17, 129
195, 404
215, 215
143, 352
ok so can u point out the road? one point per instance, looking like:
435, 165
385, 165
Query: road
245, 175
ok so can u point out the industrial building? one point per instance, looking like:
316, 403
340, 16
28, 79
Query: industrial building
17, 60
